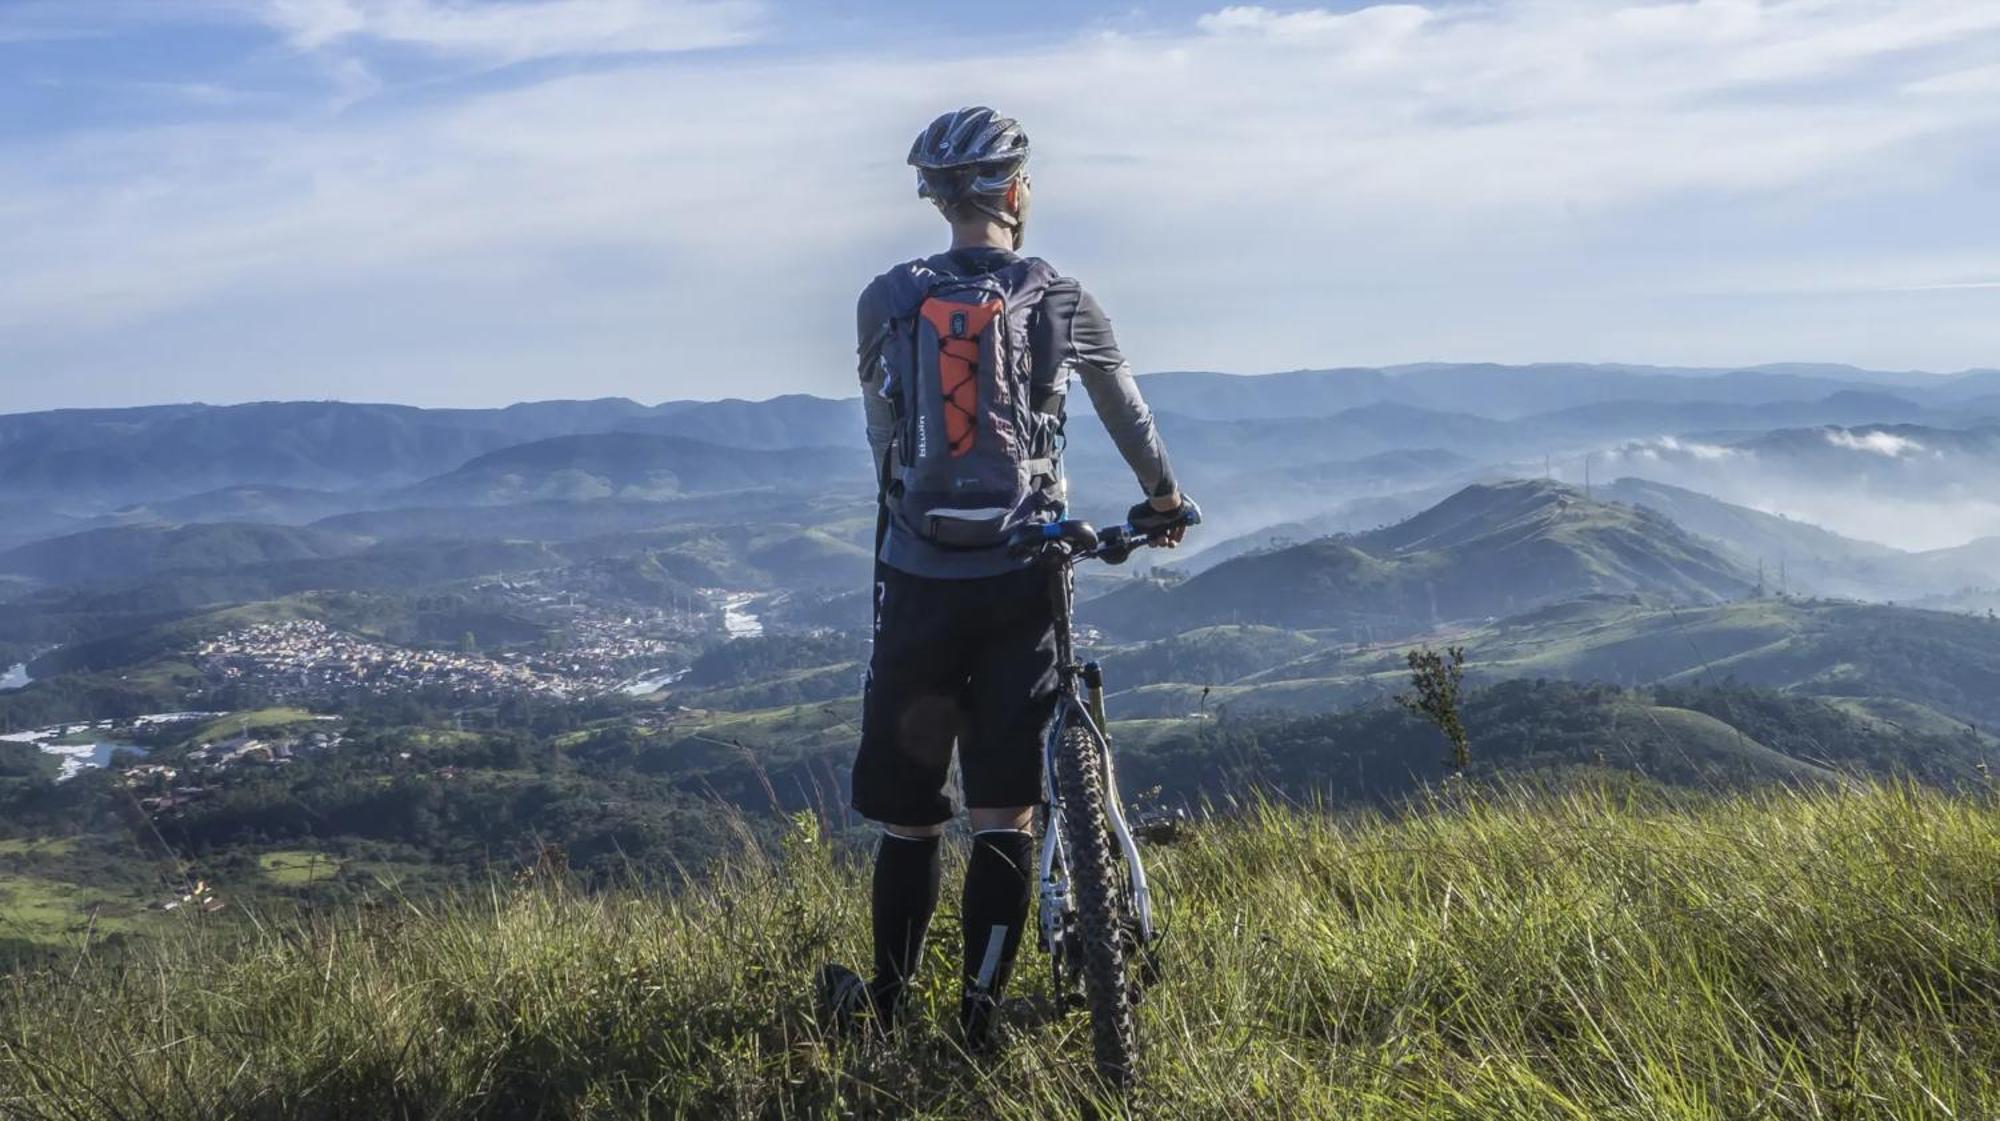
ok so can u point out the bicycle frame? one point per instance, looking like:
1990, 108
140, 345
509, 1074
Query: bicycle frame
1075, 709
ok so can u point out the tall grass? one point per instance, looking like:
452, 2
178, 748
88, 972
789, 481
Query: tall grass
1788, 955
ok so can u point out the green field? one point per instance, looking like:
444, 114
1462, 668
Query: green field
297, 867
238, 723
37, 847
50, 911
1828, 956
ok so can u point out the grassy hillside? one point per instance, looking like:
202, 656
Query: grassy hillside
1708, 739
1937, 660
1783, 956
1490, 549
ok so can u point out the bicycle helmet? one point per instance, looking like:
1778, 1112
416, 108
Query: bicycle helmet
970, 157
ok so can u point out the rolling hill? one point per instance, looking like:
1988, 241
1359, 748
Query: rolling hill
135, 553
1488, 550
634, 466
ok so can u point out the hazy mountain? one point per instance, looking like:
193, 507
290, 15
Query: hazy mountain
1487, 550
795, 421
1795, 555
21, 522
1506, 392
120, 456
1806, 558
575, 520
88, 461
632, 465
1975, 564
1629, 419
1912, 486
1916, 449
1289, 461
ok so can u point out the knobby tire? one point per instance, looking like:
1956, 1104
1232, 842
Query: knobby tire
1094, 889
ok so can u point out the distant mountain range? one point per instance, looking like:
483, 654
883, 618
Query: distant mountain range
279, 461
1510, 392
88, 460
1855, 458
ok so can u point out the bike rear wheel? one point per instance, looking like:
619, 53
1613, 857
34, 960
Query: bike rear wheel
1099, 907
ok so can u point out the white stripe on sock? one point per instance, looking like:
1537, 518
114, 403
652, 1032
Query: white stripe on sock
995, 942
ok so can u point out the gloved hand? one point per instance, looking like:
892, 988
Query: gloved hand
1164, 526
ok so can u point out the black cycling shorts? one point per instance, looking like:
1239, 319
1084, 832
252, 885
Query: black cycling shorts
965, 661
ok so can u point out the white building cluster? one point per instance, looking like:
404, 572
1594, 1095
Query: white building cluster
306, 658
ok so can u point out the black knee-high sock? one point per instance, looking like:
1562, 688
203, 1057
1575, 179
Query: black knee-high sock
998, 883
907, 871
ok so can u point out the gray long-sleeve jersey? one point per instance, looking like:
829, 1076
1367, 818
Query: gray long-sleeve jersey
1072, 336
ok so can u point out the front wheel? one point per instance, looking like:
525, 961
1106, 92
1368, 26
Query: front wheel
1094, 890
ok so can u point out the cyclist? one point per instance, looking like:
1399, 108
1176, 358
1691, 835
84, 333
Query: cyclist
965, 643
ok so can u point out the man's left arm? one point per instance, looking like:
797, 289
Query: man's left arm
1084, 337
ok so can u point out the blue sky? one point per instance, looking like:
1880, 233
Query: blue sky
481, 201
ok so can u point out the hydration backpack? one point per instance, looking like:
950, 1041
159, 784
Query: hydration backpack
978, 431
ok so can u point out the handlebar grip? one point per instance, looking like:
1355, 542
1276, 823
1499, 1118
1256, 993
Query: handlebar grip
1028, 540
1079, 536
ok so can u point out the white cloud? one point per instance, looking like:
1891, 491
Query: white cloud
514, 30
1950, 286
1514, 180
1978, 81
1382, 21
1674, 448
1875, 443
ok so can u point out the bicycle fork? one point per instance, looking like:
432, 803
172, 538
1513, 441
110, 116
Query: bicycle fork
1056, 909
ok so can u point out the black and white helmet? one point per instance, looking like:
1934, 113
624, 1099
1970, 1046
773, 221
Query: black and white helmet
969, 155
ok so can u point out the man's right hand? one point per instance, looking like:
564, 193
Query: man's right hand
1164, 521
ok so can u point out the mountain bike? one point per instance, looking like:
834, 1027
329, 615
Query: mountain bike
1096, 914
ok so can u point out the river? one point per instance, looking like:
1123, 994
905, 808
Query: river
16, 677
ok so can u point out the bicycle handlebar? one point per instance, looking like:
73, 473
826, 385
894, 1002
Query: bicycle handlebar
1072, 541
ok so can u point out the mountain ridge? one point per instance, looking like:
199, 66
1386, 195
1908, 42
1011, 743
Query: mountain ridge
1489, 549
